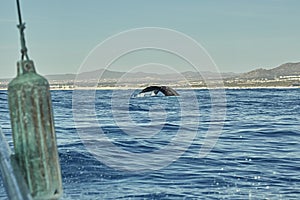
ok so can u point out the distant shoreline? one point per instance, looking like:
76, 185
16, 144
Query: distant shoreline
178, 88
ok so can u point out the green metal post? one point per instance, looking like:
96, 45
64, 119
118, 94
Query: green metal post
33, 127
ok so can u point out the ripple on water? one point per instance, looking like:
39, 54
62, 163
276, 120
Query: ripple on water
257, 155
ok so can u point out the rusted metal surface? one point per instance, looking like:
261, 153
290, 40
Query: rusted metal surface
33, 132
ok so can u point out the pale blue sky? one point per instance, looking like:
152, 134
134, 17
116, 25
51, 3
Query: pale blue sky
239, 35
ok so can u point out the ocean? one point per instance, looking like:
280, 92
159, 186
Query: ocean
115, 145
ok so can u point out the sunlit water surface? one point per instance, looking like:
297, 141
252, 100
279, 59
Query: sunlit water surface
257, 155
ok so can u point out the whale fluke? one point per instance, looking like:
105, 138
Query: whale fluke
166, 90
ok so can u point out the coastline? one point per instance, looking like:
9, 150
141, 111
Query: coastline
178, 88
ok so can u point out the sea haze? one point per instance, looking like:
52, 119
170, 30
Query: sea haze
257, 156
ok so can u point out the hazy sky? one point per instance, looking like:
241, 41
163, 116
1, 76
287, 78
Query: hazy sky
239, 35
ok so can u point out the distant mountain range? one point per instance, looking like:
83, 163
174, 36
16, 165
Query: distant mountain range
287, 69
110, 75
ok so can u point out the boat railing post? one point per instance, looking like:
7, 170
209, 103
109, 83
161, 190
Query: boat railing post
14, 182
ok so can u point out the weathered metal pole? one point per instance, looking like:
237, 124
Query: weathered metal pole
33, 127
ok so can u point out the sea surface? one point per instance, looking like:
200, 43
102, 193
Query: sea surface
114, 151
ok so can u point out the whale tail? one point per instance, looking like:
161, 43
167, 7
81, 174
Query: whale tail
166, 90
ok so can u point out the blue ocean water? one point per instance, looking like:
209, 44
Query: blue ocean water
257, 155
